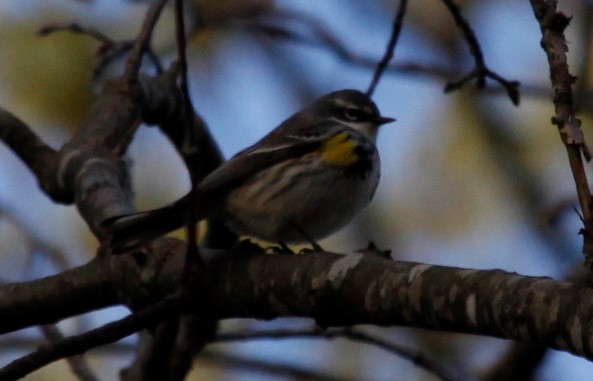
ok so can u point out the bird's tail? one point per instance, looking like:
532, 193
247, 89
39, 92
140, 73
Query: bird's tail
133, 230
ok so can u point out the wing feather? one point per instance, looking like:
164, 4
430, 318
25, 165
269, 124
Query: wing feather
247, 163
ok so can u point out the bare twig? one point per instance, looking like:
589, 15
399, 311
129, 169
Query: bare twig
520, 363
552, 25
74, 28
34, 152
355, 335
195, 331
143, 41
398, 23
193, 256
481, 71
273, 368
77, 363
154, 352
204, 155
109, 49
108, 333
207, 357
35, 243
318, 35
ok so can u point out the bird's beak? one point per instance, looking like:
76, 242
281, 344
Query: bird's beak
383, 120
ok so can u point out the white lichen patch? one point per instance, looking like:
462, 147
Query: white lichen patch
470, 309
416, 282
340, 268
453, 291
465, 273
417, 271
576, 333
371, 299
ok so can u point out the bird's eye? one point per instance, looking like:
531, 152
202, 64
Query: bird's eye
352, 113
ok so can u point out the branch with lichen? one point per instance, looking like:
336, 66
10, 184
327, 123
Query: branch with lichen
334, 290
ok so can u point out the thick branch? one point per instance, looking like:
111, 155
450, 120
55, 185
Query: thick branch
355, 289
44, 301
335, 290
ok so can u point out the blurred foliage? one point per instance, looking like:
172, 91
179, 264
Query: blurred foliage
49, 77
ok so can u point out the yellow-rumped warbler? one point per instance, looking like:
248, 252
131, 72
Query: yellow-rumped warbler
304, 180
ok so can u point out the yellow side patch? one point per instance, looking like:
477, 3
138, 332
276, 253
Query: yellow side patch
339, 150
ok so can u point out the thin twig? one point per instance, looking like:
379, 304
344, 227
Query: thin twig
552, 25
34, 152
414, 356
108, 333
208, 357
109, 50
481, 71
143, 41
271, 368
317, 35
36, 244
78, 363
74, 28
192, 256
398, 23
519, 363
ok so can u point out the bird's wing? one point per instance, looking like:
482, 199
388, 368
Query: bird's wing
254, 159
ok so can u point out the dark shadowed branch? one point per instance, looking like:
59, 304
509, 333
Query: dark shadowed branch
413, 356
334, 290
75, 345
78, 364
36, 246
520, 363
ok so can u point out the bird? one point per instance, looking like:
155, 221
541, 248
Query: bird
301, 182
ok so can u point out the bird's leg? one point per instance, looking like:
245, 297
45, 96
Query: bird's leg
282, 248
308, 238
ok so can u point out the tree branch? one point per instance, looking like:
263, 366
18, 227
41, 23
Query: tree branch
398, 23
109, 49
480, 71
143, 41
34, 152
352, 334
334, 290
76, 345
78, 363
552, 25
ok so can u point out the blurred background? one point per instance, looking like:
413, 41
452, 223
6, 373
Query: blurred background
469, 180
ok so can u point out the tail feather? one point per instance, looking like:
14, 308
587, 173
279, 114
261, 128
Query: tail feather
133, 230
